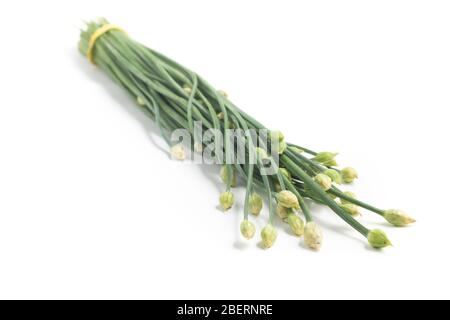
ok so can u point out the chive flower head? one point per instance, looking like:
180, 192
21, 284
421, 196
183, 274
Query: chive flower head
256, 204
313, 235
224, 175
351, 209
288, 199
283, 212
296, 223
334, 175
378, 239
349, 175
247, 229
268, 236
226, 200
398, 218
323, 181
285, 173
349, 194
326, 158
177, 152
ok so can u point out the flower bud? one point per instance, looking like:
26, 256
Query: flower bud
288, 199
223, 93
334, 175
277, 187
261, 154
378, 239
268, 236
198, 147
398, 218
247, 229
297, 150
226, 200
256, 204
177, 152
326, 158
221, 115
323, 181
351, 209
140, 101
224, 176
278, 142
187, 89
348, 175
285, 173
283, 212
349, 194
313, 236
296, 223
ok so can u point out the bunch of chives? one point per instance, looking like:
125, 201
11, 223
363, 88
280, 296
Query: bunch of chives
177, 98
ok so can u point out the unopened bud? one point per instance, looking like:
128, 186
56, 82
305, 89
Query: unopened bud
288, 199
323, 181
348, 194
247, 229
334, 175
226, 200
398, 218
261, 154
313, 236
326, 158
177, 152
187, 89
351, 209
141, 101
222, 93
348, 175
224, 176
268, 236
285, 173
198, 147
378, 239
283, 212
256, 204
296, 223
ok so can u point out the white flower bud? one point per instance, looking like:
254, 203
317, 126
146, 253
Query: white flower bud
398, 218
348, 175
177, 152
222, 93
288, 199
256, 204
348, 194
198, 147
140, 101
283, 212
247, 229
268, 236
226, 200
224, 175
313, 236
296, 223
351, 209
323, 181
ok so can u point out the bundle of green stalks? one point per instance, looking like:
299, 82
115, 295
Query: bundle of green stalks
177, 98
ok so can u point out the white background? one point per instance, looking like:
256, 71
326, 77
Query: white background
92, 207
